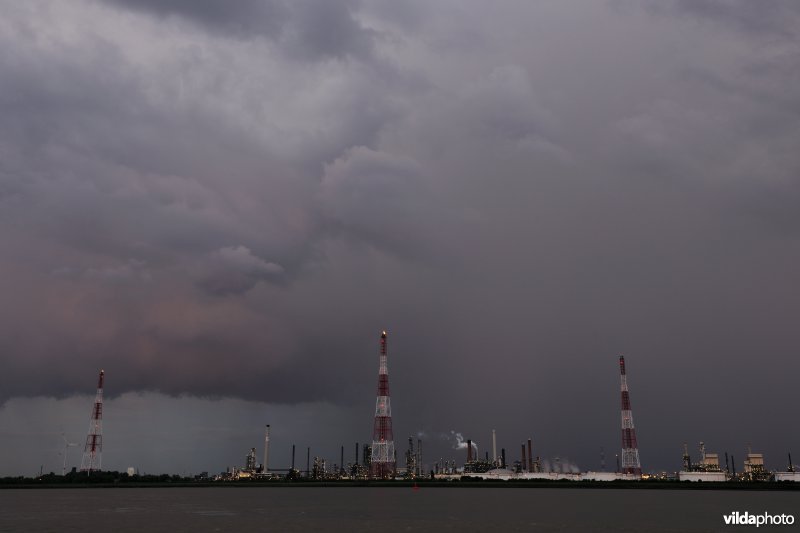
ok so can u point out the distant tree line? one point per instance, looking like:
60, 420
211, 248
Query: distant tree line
103, 477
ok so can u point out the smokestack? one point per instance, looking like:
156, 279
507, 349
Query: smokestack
356, 461
341, 461
530, 456
503, 452
419, 457
524, 464
292, 456
494, 448
265, 468
687, 460
469, 450
308, 462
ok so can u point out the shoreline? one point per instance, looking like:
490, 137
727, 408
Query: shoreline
613, 485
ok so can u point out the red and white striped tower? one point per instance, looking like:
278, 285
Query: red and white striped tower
92, 452
382, 465
630, 450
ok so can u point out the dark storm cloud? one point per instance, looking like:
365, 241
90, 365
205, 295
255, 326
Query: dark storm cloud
305, 29
377, 198
251, 17
772, 17
231, 198
234, 270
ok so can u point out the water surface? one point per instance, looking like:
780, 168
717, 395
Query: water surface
383, 509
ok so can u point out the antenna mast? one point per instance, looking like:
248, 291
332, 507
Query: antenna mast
92, 452
630, 449
382, 464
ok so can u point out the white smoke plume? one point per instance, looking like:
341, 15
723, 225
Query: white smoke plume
459, 443
560, 466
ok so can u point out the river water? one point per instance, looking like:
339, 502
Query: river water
384, 509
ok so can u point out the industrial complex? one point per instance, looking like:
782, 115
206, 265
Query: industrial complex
378, 459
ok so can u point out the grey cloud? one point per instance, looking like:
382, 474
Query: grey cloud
234, 270
328, 29
303, 29
249, 17
505, 103
377, 198
204, 205
131, 271
773, 16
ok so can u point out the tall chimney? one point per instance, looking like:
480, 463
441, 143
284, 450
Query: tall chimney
494, 448
469, 450
292, 456
265, 468
503, 463
419, 457
524, 464
530, 456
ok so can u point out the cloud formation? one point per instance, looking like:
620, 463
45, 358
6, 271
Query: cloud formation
229, 199
233, 270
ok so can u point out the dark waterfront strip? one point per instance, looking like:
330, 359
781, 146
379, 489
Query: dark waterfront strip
15, 483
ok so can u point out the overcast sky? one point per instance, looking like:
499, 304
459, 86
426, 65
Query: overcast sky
223, 203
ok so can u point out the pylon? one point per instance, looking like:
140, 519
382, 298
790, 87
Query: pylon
630, 449
383, 462
92, 452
